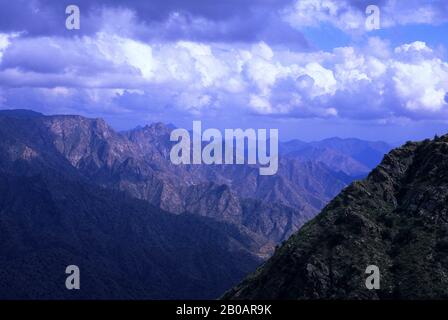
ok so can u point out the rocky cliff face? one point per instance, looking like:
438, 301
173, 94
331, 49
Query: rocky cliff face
396, 219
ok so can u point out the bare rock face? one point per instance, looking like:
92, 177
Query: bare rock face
396, 219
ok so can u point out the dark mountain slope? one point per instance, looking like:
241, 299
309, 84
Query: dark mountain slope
20, 113
397, 219
124, 247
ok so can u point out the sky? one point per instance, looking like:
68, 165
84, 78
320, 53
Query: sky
310, 68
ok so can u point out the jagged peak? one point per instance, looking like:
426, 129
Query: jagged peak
156, 128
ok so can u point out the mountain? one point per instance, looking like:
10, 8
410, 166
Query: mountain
52, 216
299, 189
353, 157
137, 162
78, 190
289, 186
21, 113
396, 219
125, 249
366, 152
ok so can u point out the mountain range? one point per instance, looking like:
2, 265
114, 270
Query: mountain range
75, 191
354, 157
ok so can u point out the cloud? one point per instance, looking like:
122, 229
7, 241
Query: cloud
109, 71
276, 22
5, 42
415, 12
350, 15
422, 86
156, 21
235, 57
312, 13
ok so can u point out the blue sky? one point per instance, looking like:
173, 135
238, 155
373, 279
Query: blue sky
307, 67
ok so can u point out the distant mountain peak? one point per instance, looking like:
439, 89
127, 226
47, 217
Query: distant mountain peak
154, 129
157, 126
20, 113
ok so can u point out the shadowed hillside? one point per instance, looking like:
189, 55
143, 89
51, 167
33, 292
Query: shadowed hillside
395, 219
